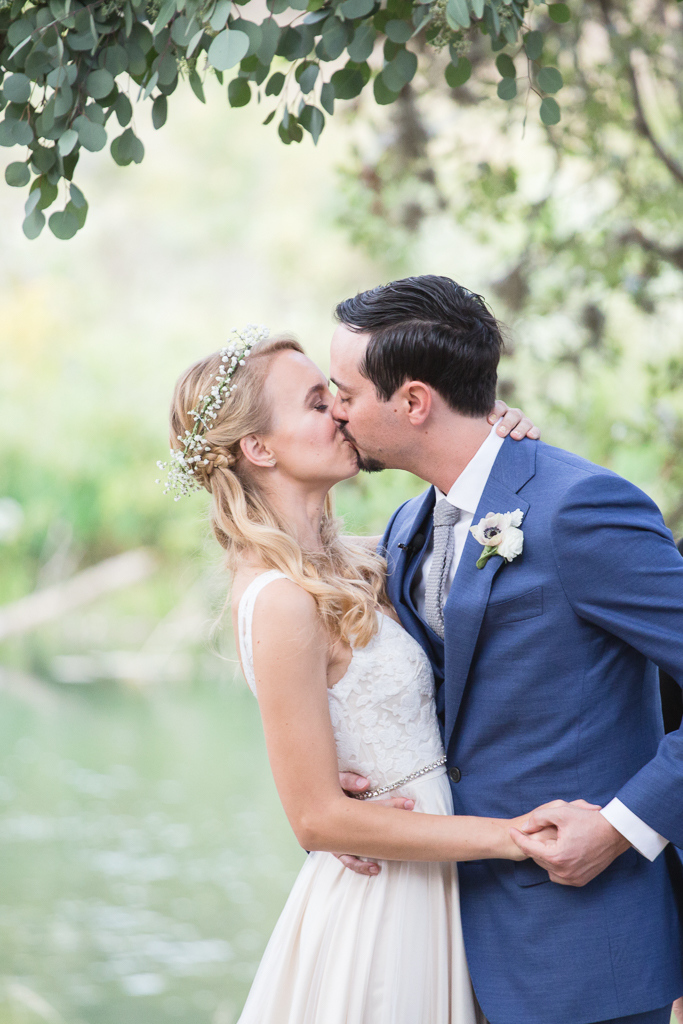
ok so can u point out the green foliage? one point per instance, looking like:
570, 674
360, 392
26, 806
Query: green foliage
67, 65
578, 224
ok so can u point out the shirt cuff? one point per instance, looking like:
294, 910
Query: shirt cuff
643, 838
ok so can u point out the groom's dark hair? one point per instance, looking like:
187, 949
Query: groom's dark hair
429, 329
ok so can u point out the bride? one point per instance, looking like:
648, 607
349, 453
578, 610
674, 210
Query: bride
341, 687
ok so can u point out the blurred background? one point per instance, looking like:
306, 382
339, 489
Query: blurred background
144, 853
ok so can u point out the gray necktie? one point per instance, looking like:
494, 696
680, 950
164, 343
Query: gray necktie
445, 516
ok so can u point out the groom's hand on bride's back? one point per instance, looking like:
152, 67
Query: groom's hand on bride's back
513, 422
586, 843
353, 784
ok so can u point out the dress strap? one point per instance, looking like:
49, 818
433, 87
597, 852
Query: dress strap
245, 618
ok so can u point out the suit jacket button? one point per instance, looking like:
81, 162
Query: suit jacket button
454, 774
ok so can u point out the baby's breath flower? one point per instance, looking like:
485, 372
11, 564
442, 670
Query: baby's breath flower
181, 473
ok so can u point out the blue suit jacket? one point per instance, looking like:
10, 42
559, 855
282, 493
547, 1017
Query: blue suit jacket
547, 689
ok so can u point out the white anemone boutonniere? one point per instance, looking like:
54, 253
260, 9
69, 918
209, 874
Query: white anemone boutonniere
499, 534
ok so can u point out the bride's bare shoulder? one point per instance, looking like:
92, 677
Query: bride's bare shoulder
282, 602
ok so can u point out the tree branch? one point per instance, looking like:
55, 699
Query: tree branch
674, 256
646, 131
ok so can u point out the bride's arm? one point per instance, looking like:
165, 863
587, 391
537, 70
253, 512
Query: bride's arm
290, 665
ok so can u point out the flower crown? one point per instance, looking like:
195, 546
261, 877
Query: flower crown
181, 468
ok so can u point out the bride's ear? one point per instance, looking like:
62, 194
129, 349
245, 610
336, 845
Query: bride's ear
256, 452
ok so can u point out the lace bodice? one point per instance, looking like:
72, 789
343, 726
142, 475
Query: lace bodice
383, 710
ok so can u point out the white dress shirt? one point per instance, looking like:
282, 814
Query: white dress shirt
465, 494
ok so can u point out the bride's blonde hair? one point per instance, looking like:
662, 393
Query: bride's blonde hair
345, 579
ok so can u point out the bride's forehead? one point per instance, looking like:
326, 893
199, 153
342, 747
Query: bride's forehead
297, 369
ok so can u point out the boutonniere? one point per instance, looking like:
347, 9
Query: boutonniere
499, 534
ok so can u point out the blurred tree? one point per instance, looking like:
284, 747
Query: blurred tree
582, 220
67, 66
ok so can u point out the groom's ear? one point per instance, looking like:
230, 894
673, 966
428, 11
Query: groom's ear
416, 399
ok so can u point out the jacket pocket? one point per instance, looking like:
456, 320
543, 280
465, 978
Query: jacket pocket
528, 872
526, 606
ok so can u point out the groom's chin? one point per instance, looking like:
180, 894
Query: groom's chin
368, 465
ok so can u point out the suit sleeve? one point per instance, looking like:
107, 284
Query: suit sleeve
621, 571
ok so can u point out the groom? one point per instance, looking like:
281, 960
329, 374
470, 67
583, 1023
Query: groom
544, 663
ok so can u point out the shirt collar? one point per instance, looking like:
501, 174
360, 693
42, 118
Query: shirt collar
467, 490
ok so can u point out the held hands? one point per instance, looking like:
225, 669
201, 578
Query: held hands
584, 845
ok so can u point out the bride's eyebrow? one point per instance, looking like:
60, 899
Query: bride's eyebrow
316, 389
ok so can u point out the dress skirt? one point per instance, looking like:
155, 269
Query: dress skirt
353, 949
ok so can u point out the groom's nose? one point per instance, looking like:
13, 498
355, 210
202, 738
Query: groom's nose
337, 412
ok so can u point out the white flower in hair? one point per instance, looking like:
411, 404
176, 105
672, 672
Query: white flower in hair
184, 459
499, 534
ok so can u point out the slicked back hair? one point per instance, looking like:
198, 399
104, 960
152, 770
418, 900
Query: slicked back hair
429, 329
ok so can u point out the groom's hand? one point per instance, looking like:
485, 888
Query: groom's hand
513, 422
586, 843
353, 784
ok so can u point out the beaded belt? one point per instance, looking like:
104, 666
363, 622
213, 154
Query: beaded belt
401, 782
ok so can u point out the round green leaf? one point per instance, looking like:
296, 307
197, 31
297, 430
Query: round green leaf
17, 174
347, 83
65, 73
382, 93
123, 109
159, 111
549, 80
356, 8
33, 224
220, 15
398, 31
19, 30
64, 99
99, 84
400, 70
550, 111
63, 224
79, 212
506, 66
507, 88
275, 83
115, 60
67, 141
127, 148
336, 36
458, 74
43, 158
363, 42
17, 88
77, 197
307, 78
457, 14
91, 136
313, 120
228, 49
239, 92
533, 45
270, 37
559, 13
48, 192
22, 133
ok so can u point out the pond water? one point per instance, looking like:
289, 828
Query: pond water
145, 856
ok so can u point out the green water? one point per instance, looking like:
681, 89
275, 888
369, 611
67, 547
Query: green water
144, 854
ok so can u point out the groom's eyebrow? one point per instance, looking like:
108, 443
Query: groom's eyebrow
338, 384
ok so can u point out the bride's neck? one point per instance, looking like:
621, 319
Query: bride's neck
301, 507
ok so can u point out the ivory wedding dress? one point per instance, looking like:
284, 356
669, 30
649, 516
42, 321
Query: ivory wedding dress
387, 949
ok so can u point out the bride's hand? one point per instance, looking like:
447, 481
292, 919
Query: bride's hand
514, 422
352, 783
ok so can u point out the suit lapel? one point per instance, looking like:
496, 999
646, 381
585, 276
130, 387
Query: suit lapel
403, 566
469, 594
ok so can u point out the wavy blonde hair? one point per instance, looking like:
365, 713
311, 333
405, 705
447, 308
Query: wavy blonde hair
346, 579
